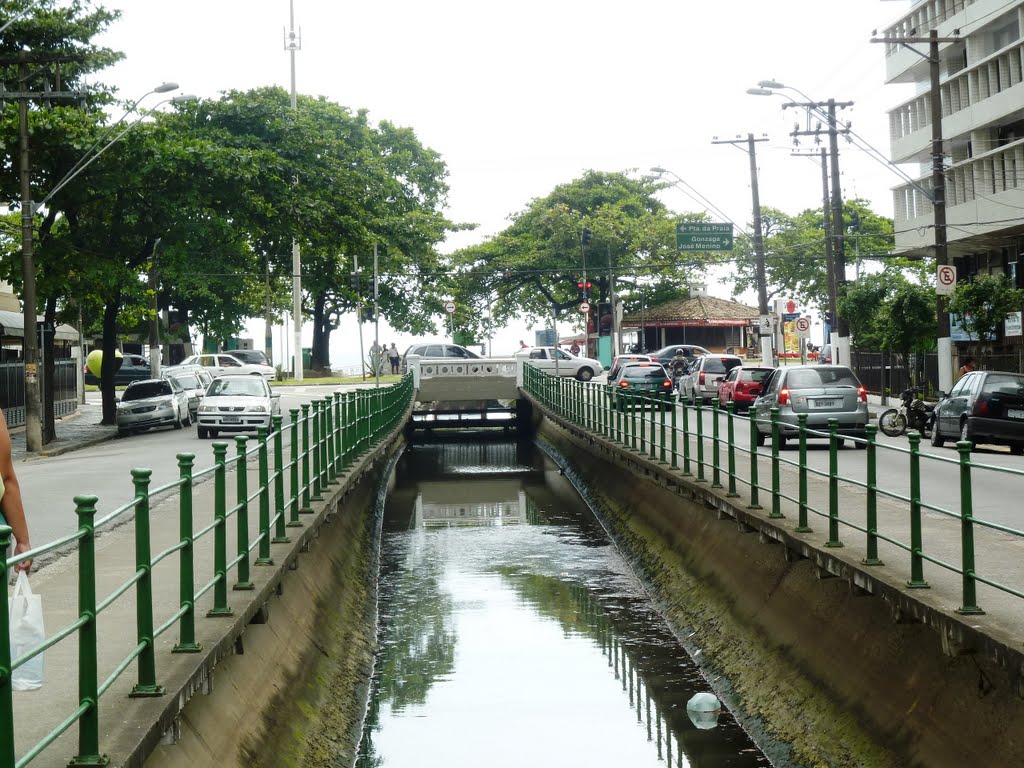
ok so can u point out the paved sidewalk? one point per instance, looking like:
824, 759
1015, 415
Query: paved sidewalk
77, 430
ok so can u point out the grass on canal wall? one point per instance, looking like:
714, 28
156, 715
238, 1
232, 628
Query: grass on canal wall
801, 659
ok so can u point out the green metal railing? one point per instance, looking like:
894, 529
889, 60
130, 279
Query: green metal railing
344, 426
634, 421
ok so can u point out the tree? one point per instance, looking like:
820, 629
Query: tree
532, 268
983, 304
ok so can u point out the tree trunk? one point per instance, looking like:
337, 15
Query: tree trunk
321, 333
49, 370
109, 365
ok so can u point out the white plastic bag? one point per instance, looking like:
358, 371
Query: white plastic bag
26, 616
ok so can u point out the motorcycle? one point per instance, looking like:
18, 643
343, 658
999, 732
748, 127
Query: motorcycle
913, 413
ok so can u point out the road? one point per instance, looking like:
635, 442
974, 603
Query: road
49, 484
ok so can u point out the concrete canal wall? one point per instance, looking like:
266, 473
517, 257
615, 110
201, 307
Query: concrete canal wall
849, 679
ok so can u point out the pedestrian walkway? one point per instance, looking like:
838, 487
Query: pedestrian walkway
76, 430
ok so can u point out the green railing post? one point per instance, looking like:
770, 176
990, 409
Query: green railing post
631, 421
730, 436
675, 436
916, 537
802, 524
754, 436
220, 532
833, 484
6, 693
650, 400
776, 480
970, 598
242, 515
716, 470
639, 398
619, 404
338, 457
662, 402
686, 439
280, 532
88, 668
305, 508
263, 556
144, 589
316, 448
699, 401
329, 477
186, 560
293, 470
871, 481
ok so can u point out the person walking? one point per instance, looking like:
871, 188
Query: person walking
395, 358
575, 348
11, 506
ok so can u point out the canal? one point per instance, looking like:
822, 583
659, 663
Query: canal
512, 633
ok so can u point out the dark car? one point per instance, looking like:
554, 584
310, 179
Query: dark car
133, 368
638, 382
690, 352
983, 407
622, 360
742, 386
822, 392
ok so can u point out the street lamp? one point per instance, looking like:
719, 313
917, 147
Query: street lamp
33, 411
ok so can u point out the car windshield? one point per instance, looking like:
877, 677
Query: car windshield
1004, 384
720, 364
188, 381
241, 386
814, 378
146, 389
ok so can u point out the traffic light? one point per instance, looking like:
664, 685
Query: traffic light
583, 289
585, 236
368, 316
355, 282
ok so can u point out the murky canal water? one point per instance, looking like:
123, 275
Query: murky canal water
513, 634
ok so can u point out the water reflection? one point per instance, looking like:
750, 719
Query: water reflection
512, 632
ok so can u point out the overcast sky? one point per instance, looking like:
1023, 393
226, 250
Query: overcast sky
519, 97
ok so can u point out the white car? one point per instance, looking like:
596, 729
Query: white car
237, 404
552, 360
223, 364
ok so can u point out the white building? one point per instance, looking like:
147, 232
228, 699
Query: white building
982, 90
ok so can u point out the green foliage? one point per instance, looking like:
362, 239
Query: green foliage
887, 311
983, 304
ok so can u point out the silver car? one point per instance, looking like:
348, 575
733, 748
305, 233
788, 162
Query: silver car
822, 392
704, 375
237, 404
152, 403
194, 380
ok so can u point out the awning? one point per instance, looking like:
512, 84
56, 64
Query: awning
13, 324
700, 323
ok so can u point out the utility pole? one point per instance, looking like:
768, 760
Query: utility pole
767, 354
34, 379
838, 324
938, 192
292, 44
154, 320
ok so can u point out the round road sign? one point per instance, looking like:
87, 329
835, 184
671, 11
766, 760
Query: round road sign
803, 324
449, 307
945, 279
585, 307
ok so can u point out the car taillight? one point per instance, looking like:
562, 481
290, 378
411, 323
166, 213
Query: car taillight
783, 396
700, 379
863, 394
982, 406
623, 383
667, 383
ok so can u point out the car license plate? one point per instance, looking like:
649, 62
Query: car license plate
1014, 413
819, 403
231, 419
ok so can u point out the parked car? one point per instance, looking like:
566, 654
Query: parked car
637, 381
152, 403
704, 374
194, 380
983, 407
825, 355
822, 392
741, 386
257, 356
237, 404
621, 360
690, 351
437, 349
552, 360
223, 364
133, 368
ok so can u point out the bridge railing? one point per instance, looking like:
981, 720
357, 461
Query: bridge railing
715, 445
325, 437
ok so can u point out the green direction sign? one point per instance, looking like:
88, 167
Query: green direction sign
703, 236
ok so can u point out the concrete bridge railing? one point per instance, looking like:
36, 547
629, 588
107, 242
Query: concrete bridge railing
453, 379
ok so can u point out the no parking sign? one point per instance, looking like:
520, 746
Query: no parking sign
945, 280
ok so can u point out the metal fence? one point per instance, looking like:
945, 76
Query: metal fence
888, 374
323, 443
12, 390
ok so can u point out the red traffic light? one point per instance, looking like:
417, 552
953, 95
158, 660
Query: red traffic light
584, 285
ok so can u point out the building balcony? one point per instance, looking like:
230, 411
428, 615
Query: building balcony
984, 195
994, 87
